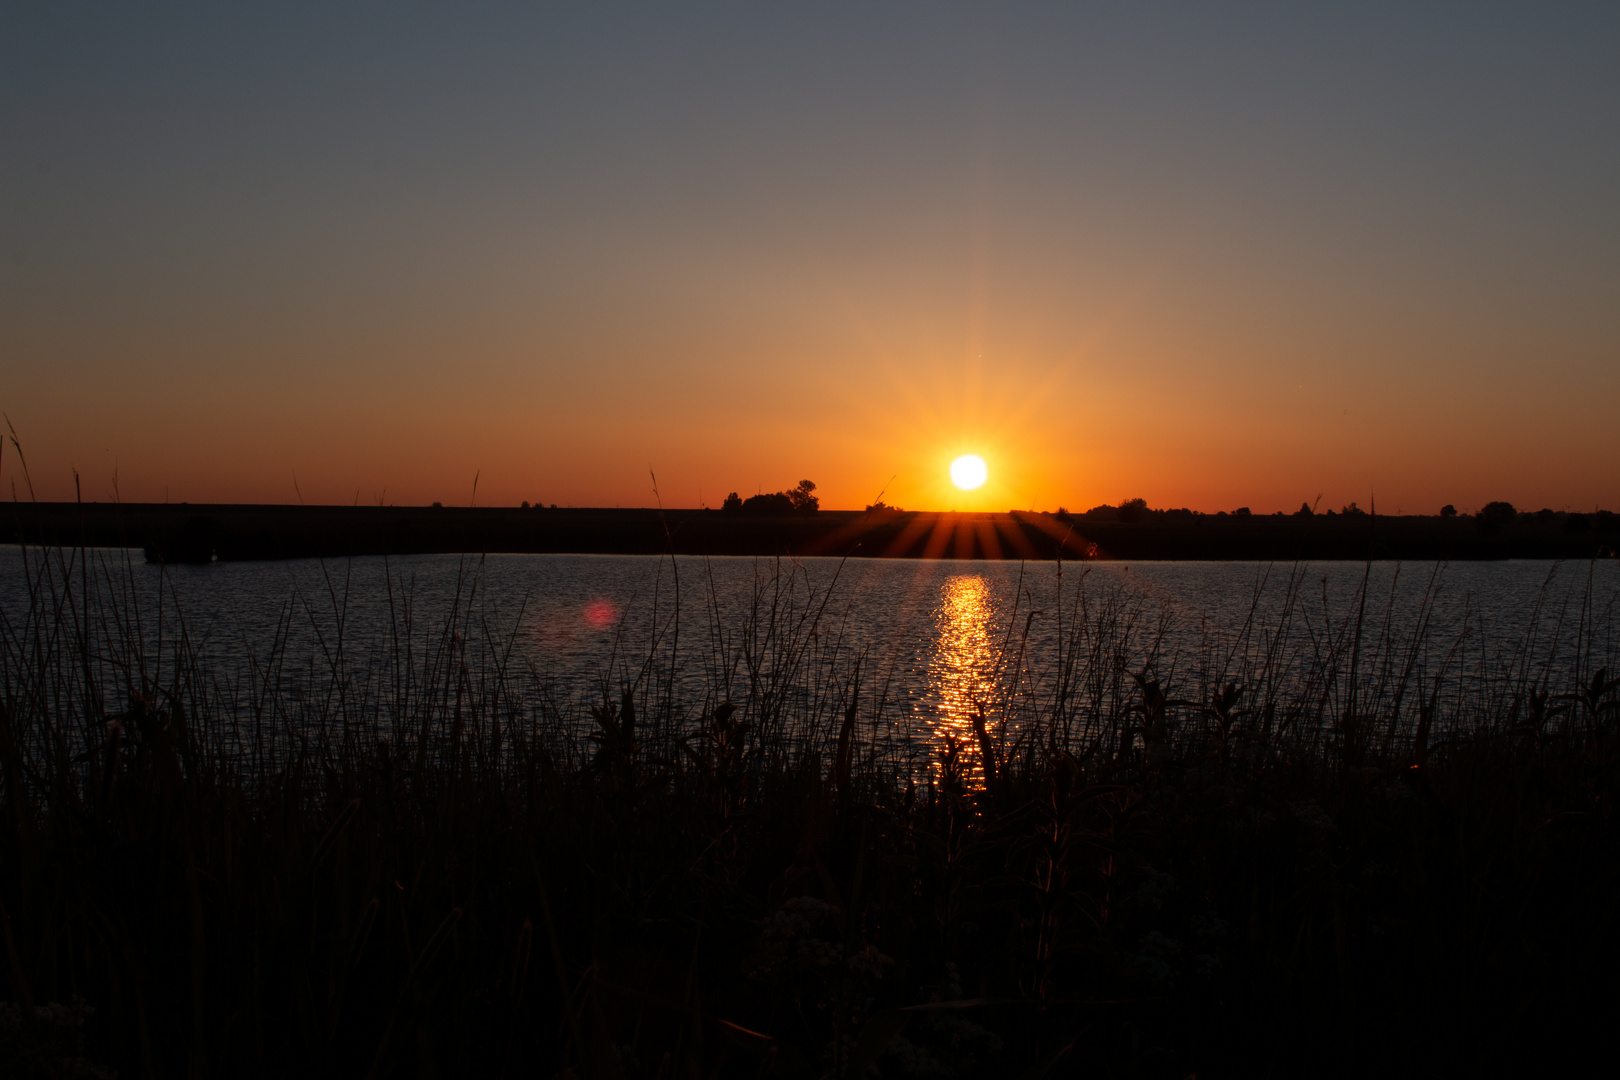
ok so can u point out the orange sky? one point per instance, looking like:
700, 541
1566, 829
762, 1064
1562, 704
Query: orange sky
1207, 267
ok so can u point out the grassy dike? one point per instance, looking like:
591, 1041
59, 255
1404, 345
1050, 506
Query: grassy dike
1253, 869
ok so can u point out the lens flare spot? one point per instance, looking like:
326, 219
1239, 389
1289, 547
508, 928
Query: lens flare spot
600, 614
969, 471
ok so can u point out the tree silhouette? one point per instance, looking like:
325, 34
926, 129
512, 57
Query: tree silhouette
799, 500
802, 500
1132, 509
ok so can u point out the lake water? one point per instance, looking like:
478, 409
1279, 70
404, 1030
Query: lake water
936, 640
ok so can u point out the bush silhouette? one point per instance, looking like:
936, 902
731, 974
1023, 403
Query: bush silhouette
1493, 517
773, 504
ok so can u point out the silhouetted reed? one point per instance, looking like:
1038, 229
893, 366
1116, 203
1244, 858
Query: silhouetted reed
1323, 844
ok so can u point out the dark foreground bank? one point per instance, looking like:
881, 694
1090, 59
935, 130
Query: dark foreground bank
422, 870
1155, 913
201, 533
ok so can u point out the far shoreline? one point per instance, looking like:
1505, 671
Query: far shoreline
196, 533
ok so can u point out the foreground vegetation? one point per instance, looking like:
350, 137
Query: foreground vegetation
1325, 849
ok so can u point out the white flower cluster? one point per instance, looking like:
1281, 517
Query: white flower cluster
870, 962
1312, 816
1154, 890
48, 1037
787, 935
55, 1014
914, 1060
1155, 951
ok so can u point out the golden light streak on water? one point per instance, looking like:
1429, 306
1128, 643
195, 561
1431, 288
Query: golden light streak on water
962, 668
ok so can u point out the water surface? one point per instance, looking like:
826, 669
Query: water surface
936, 641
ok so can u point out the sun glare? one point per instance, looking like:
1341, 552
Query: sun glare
969, 472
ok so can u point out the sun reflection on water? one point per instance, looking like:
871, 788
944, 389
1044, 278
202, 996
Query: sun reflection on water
961, 670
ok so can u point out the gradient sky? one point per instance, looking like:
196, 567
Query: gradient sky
1209, 255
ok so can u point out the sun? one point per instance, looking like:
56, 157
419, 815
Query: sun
969, 471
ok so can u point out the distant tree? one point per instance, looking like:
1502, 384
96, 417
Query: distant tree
802, 499
1103, 511
1448, 511
881, 507
1352, 511
1493, 517
733, 503
1304, 510
1242, 511
1132, 509
524, 505
438, 506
